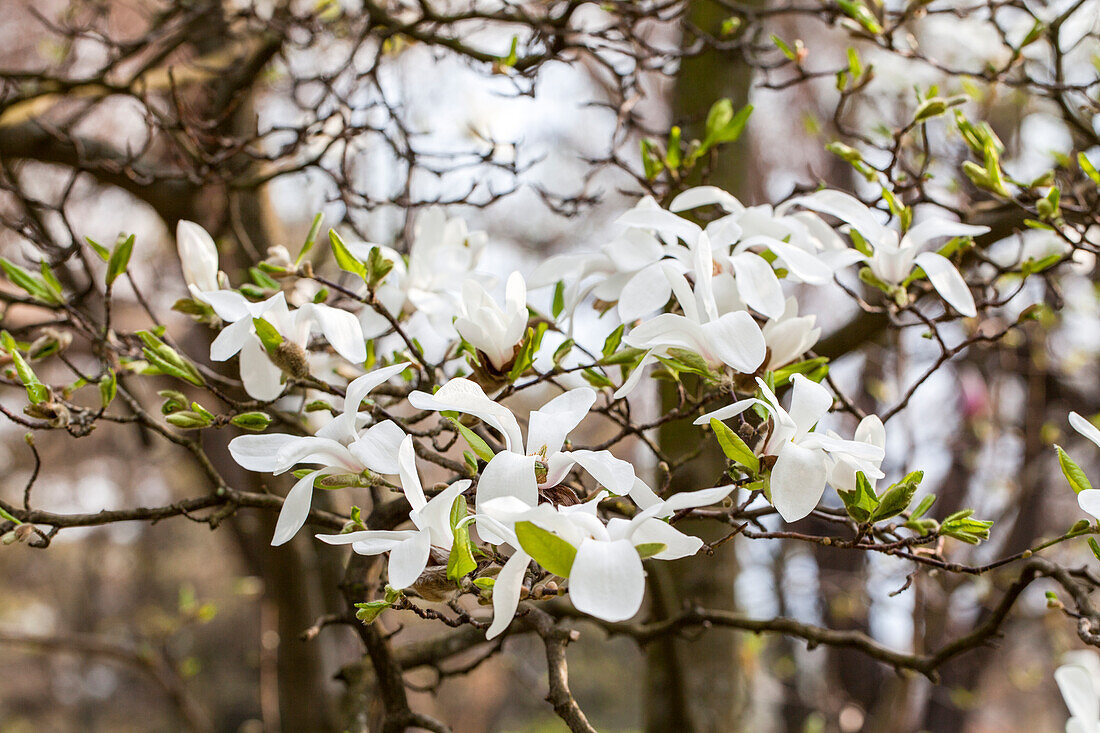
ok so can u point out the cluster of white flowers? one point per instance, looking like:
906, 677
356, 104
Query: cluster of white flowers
712, 297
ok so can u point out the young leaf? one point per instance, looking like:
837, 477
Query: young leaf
861, 502
479, 446
36, 391
649, 549
896, 498
735, 449
108, 388
119, 259
344, 258
1077, 479
549, 550
461, 562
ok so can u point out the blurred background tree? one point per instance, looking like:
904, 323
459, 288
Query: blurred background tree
538, 122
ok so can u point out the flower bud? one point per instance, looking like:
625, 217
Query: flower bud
291, 358
198, 256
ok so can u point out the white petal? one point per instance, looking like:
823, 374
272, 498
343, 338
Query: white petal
377, 447
668, 329
1077, 689
693, 198
258, 452
635, 377
343, 426
736, 340
410, 478
341, 329
229, 305
408, 560
435, 518
632, 251
871, 430
198, 255
295, 509
1089, 501
231, 339
642, 495
462, 395
370, 541
646, 292
757, 284
702, 497
797, 481
929, 229
614, 474
508, 474
805, 266
846, 208
607, 580
1085, 428
661, 221
725, 413
948, 282
809, 402
262, 379
677, 543
312, 449
506, 592
553, 421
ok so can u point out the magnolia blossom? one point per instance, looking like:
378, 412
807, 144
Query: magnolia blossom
520, 472
606, 579
892, 259
730, 339
842, 474
426, 289
492, 330
409, 548
803, 457
198, 257
262, 378
338, 447
789, 336
1089, 499
1079, 682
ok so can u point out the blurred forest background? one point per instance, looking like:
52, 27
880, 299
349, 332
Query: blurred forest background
249, 118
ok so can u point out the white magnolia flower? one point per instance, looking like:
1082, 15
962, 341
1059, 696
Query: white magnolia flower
789, 336
338, 447
518, 472
1079, 682
1089, 499
892, 259
492, 330
803, 457
731, 339
628, 271
198, 257
409, 548
261, 378
606, 579
426, 290
842, 475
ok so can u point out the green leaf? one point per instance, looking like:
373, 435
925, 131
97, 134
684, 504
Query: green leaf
629, 355
188, 420
861, 502
806, 367
377, 267
32, 284
254, 421
119, 260
859, 12
548, 550
1094, 547
611, 343
108, 388
652, 163
268, 334
735, 449
36, 391
344, 258
311, 238
922, 507
1076, 477
98, 248
896, 498
562, 351
164, 359
479, 446
461, 561
1088, 168
597, 380
649, 549
559, 299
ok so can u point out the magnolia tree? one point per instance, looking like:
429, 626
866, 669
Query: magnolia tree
497, 457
